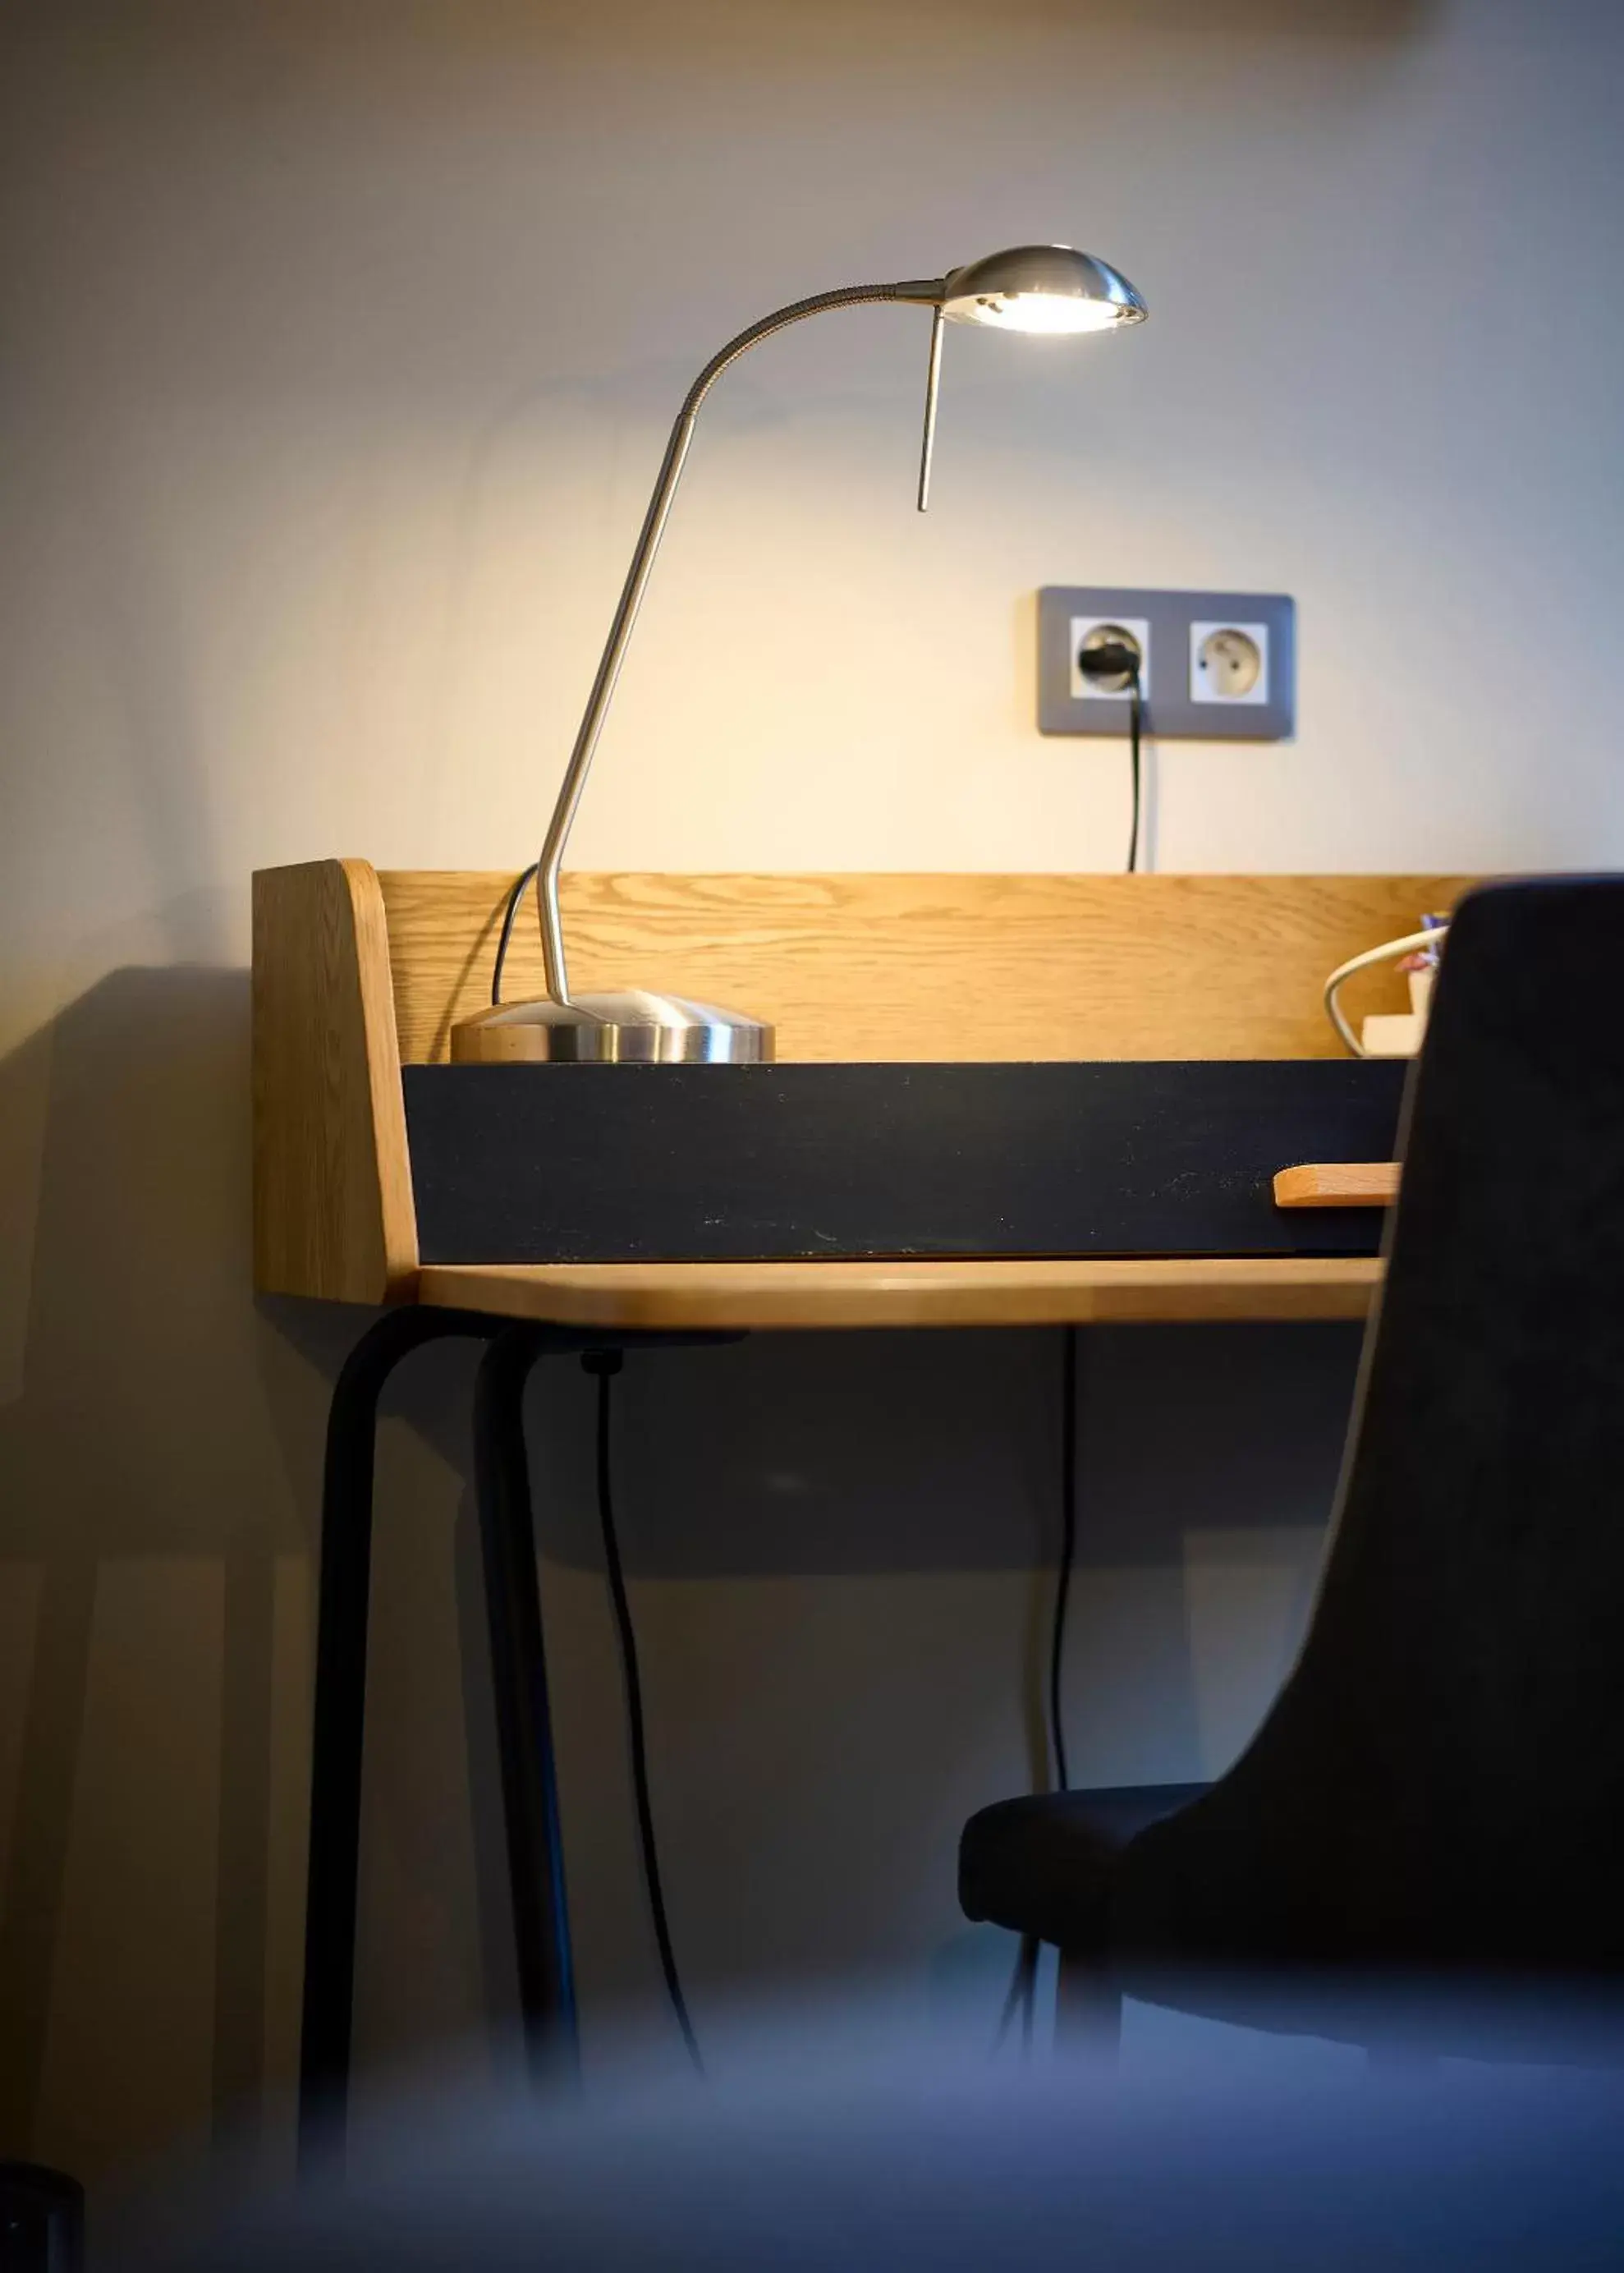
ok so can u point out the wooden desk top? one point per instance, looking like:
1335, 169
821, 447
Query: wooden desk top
768, 1297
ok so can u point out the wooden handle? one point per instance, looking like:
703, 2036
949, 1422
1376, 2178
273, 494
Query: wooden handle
1338, 1183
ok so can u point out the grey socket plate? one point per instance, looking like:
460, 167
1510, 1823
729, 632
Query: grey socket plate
1172, 710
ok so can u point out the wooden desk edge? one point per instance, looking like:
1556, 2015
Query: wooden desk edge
790, 1296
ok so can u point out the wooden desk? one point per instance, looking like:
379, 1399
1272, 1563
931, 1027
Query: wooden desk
355, 975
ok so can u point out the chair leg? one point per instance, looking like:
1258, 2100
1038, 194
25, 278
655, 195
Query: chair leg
524, 1725
346, 1558
1087, 2008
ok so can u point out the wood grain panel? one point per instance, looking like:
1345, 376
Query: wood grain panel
787, 1296
333, 1190
1338, 1183
918, 967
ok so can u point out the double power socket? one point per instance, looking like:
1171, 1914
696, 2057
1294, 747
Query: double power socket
1212, 665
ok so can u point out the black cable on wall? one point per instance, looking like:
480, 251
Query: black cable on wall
1023, 1980
1068, 1556
604, 1365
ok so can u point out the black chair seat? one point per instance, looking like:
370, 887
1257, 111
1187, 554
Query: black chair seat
1042, 1865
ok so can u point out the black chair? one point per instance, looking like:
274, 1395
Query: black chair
1438, 1791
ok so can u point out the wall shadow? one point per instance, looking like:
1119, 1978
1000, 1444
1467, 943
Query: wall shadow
136, 1458
161, 1477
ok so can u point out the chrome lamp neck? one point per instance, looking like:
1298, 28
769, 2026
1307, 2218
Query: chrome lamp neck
926, 292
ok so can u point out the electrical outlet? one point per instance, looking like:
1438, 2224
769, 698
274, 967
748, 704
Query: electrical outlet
1228, 663
1102, 631
1218, 667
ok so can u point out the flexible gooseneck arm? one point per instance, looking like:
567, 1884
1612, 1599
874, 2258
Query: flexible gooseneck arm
926, 292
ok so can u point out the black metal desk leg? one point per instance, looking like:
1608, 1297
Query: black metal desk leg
524, 1726
340, 1712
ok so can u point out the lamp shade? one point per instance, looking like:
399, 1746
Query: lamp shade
1040, 288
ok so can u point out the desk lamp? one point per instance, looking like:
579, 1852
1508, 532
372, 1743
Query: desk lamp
1032, 287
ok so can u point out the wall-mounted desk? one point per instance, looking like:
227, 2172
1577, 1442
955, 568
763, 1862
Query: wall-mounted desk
357, 981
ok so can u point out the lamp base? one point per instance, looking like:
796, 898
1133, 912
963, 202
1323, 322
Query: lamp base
632, 1027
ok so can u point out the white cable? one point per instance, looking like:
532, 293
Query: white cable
1408, 945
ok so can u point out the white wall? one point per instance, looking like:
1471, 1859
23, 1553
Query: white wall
336, 350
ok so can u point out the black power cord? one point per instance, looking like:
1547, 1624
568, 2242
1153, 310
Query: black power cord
1023, 1980
1136, 714
1068, 1555
604, 1365
509, 912
1116, 659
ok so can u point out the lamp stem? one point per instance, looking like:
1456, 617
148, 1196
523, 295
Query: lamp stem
933, 388
925, 291
597, 706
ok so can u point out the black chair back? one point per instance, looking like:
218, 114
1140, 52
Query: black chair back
1441, 1779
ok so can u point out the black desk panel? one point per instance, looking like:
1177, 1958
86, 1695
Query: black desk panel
640, 1163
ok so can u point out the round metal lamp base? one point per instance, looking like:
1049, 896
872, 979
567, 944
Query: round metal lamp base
635, 1027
